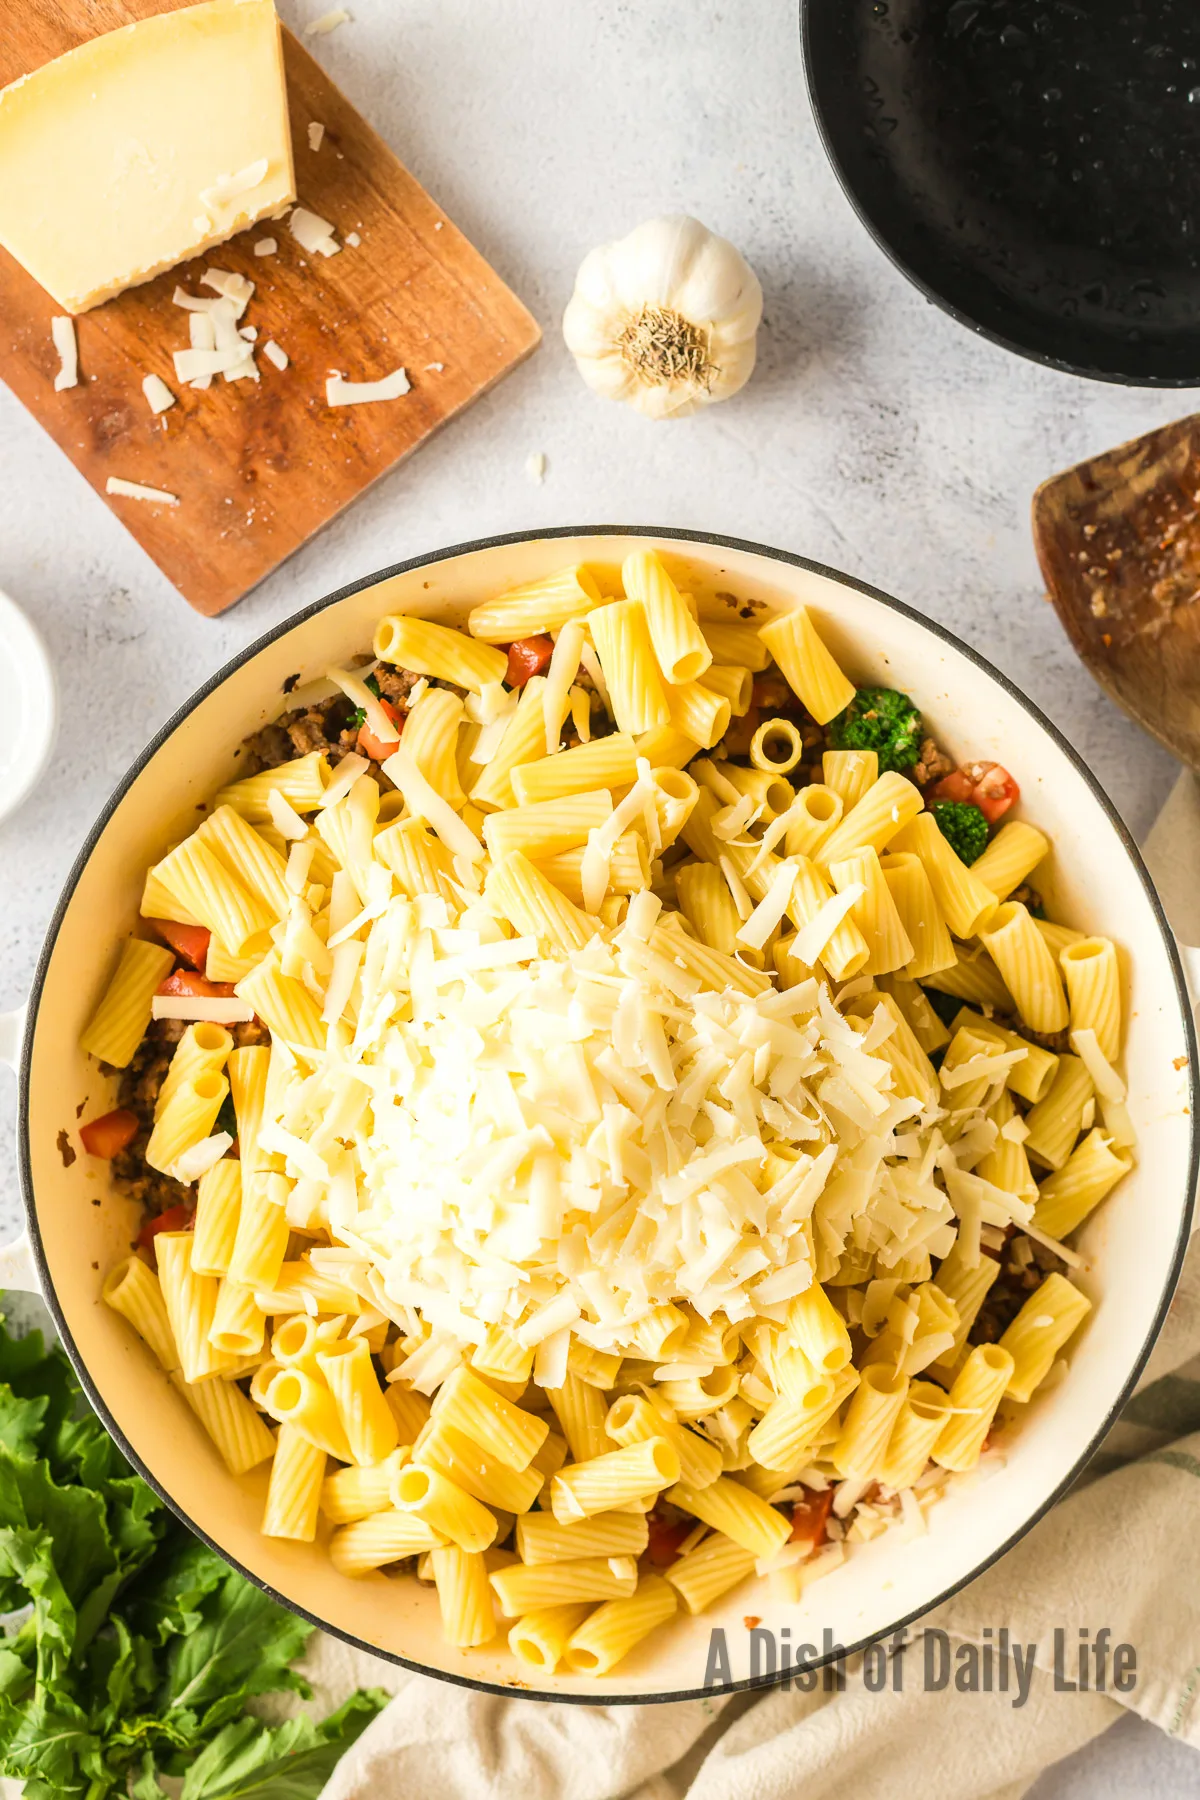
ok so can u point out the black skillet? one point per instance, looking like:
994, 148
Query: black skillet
1032, 165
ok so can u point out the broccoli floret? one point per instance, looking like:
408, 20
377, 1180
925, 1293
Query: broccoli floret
963, 826
882, 720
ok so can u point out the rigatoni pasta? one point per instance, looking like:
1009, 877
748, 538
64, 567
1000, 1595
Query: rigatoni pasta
640, 1128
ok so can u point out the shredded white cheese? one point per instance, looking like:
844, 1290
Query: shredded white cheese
312, 232
316, 132
328, 21
562, 1144
201, 336
62, 330
135, 490
340, 392
197, 1160
158, 395
425, 803
232, 287
214, 1008
266, 246
353, 239
274, 353
535, 467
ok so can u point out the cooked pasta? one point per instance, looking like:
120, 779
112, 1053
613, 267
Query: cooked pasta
1070, 1193
812, 818
190, 1302
241, 1435
118, 1025
776, 747
679, 646
621, 634
849, 773
809, 669
920, 917
540, 606
1024, 960
614, 1628
1093, 991
133, 1290
974, 1397
540, 1638
595, 1195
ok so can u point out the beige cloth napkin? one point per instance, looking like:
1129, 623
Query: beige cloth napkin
1116, 1552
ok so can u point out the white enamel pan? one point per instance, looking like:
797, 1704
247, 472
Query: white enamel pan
77, 1226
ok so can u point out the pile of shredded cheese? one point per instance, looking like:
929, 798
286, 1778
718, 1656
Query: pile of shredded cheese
562, 1144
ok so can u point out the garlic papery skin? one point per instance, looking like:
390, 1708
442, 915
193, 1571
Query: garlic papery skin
665, 319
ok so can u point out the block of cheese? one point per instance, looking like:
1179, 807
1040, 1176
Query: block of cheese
144, 147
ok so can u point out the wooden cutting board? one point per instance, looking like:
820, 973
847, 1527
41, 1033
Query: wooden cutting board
260, 467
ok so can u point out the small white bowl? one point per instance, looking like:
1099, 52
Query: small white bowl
28, 707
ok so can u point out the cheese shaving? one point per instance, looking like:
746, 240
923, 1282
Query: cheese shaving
136, 490
215, 1008
312, 232
316, 133
770, 909
199, 1158
158, 395
344, 778
230, 286
275, 354
812, 938
201, 336
328, 21
563, 1144
589, 659
266, 246
62, 330
357, 690
425, 803
1110, 1089
564, 666
340, 392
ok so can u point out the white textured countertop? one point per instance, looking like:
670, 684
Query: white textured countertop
876, 435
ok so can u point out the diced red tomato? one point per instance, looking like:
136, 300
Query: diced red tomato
987, 785
112, 1132
528, 656
955, 786
196, 987
666, 1535
809, 1517
188, 941
370, 745
994, 791
737, 738
175, 1218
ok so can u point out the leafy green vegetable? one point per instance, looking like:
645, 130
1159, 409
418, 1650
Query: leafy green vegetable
139, 1647
963, 826
359, 716
253, 1761
883, 720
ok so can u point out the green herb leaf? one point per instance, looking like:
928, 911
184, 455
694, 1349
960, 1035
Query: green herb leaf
242, 1646
141, 1646
253, 1761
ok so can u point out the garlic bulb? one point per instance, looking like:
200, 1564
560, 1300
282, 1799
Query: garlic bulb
665, 318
